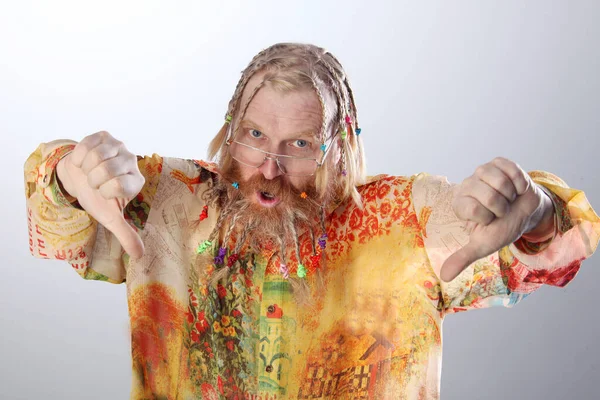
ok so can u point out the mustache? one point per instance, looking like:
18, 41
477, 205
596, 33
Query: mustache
277, 186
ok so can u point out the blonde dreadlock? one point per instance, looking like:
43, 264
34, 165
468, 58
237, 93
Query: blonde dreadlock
290, 67
294, 66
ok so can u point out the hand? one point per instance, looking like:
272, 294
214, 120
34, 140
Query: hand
104, 177
500, 202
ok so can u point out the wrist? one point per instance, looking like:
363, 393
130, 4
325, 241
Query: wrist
546, 227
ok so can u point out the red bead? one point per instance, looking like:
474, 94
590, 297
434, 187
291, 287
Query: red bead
204, 213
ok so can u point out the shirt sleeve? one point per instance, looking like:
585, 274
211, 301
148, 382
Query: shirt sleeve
515, 271
59, 229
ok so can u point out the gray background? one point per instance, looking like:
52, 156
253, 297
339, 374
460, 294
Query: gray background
441, 87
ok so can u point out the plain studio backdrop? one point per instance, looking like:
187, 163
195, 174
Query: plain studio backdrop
440, 87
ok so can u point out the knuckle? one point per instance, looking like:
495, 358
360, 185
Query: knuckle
501, 205
466, 185
490, 199
96, 156
508, 188
480, 171
504, 183
132, 158
119, 186
82, 148
471, 208
105, 170
103, 134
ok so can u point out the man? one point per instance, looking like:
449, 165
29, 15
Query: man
281, 271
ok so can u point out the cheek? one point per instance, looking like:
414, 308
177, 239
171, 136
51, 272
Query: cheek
245, 172
301, 182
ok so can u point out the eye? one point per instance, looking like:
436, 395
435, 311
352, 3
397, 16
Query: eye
301, 143
255, 134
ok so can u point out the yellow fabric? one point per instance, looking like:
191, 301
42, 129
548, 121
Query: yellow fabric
373, 329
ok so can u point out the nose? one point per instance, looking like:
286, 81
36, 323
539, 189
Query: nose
270, 169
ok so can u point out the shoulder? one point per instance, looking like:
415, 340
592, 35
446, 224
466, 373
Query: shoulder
380, 187
189, 173
156, 167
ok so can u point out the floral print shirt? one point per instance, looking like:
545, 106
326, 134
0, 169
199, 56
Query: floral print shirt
373, 329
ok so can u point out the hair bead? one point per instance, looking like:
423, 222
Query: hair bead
235, 185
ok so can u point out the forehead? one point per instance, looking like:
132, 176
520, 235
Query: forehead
280, 112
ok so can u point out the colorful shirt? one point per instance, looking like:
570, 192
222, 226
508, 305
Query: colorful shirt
373, 329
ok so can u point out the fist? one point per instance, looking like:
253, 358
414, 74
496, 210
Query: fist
499, 203
104, 177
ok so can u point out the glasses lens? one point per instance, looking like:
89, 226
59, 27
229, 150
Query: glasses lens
297, 166
255, 158
246, 155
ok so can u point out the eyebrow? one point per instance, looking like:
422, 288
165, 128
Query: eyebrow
249, 124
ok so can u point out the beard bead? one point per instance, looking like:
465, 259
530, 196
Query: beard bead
323, 241
315, 261
204, 213
232, 259
219, 259
301, 272
203, 246
283, 270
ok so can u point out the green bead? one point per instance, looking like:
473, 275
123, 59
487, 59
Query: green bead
301, 271
203, 246
344, 134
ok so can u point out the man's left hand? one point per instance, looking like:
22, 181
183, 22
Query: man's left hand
500, 203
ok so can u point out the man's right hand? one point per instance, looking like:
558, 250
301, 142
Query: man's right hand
104, 177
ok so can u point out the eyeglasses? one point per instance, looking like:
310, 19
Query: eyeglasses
289, 165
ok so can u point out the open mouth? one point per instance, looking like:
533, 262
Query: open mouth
267, 199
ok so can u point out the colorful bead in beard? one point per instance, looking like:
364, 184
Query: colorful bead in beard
273, 198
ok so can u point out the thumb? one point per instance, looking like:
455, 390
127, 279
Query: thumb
459, 261
128, 237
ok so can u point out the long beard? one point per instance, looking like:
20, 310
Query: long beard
298, 210
244, 226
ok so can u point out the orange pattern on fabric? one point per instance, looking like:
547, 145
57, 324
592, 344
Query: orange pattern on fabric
373, 327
